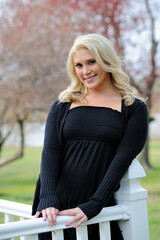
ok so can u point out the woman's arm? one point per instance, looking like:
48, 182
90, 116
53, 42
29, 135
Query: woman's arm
51, 156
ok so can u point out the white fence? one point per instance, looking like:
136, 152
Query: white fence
130, 212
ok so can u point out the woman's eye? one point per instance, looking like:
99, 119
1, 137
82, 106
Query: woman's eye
78, 65
92, 62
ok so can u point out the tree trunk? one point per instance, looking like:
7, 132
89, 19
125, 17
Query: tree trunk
20, 153
21, 126
4, 161
143, 157
2, 140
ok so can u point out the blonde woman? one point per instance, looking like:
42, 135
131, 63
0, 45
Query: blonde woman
93, 132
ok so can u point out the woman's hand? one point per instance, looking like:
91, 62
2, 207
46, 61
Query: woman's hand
50, 214
78, 216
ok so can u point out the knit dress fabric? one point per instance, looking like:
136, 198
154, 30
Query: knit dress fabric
90, 137
95, 156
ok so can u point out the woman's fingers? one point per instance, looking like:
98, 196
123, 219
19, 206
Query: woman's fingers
57, 211
37, 214
44, 215
50, 214
84, 219
68, 212
75, 219
78, 215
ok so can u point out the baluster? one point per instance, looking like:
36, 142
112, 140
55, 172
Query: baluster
57, 235
7, 219
104, 229
31, 237
24, 237
81, 233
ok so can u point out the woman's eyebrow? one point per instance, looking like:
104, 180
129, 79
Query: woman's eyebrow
91, 59
87, 61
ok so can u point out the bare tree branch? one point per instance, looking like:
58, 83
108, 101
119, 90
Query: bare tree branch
154, 45
4, 161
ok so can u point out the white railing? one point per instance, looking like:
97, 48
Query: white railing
130, 212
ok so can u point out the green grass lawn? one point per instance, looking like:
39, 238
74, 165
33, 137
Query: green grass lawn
18, 179
152, 183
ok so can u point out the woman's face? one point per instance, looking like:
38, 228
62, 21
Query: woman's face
88, 71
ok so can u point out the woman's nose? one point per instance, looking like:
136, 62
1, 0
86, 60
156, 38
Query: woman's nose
86, 70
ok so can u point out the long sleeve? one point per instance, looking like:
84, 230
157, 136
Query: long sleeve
49, 165
128, 148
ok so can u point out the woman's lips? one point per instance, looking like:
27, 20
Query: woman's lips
89, 79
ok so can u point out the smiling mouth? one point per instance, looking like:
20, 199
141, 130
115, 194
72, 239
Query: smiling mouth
90, 78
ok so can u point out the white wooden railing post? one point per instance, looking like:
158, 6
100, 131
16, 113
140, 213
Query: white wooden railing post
132, 195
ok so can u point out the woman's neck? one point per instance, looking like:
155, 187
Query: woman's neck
109, 90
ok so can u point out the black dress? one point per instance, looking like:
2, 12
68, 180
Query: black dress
90, 135
86, 152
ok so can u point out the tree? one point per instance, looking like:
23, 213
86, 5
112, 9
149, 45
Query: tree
31, 66
36, 37
147, 71
3, 137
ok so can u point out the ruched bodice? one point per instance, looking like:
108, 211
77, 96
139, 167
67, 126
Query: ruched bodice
90, 135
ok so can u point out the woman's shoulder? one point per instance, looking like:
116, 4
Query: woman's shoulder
60, 108
58, 104
138, 106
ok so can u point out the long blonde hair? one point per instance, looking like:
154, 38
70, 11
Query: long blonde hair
105, 55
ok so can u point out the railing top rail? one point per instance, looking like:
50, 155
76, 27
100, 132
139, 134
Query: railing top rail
34, 226
16, 209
